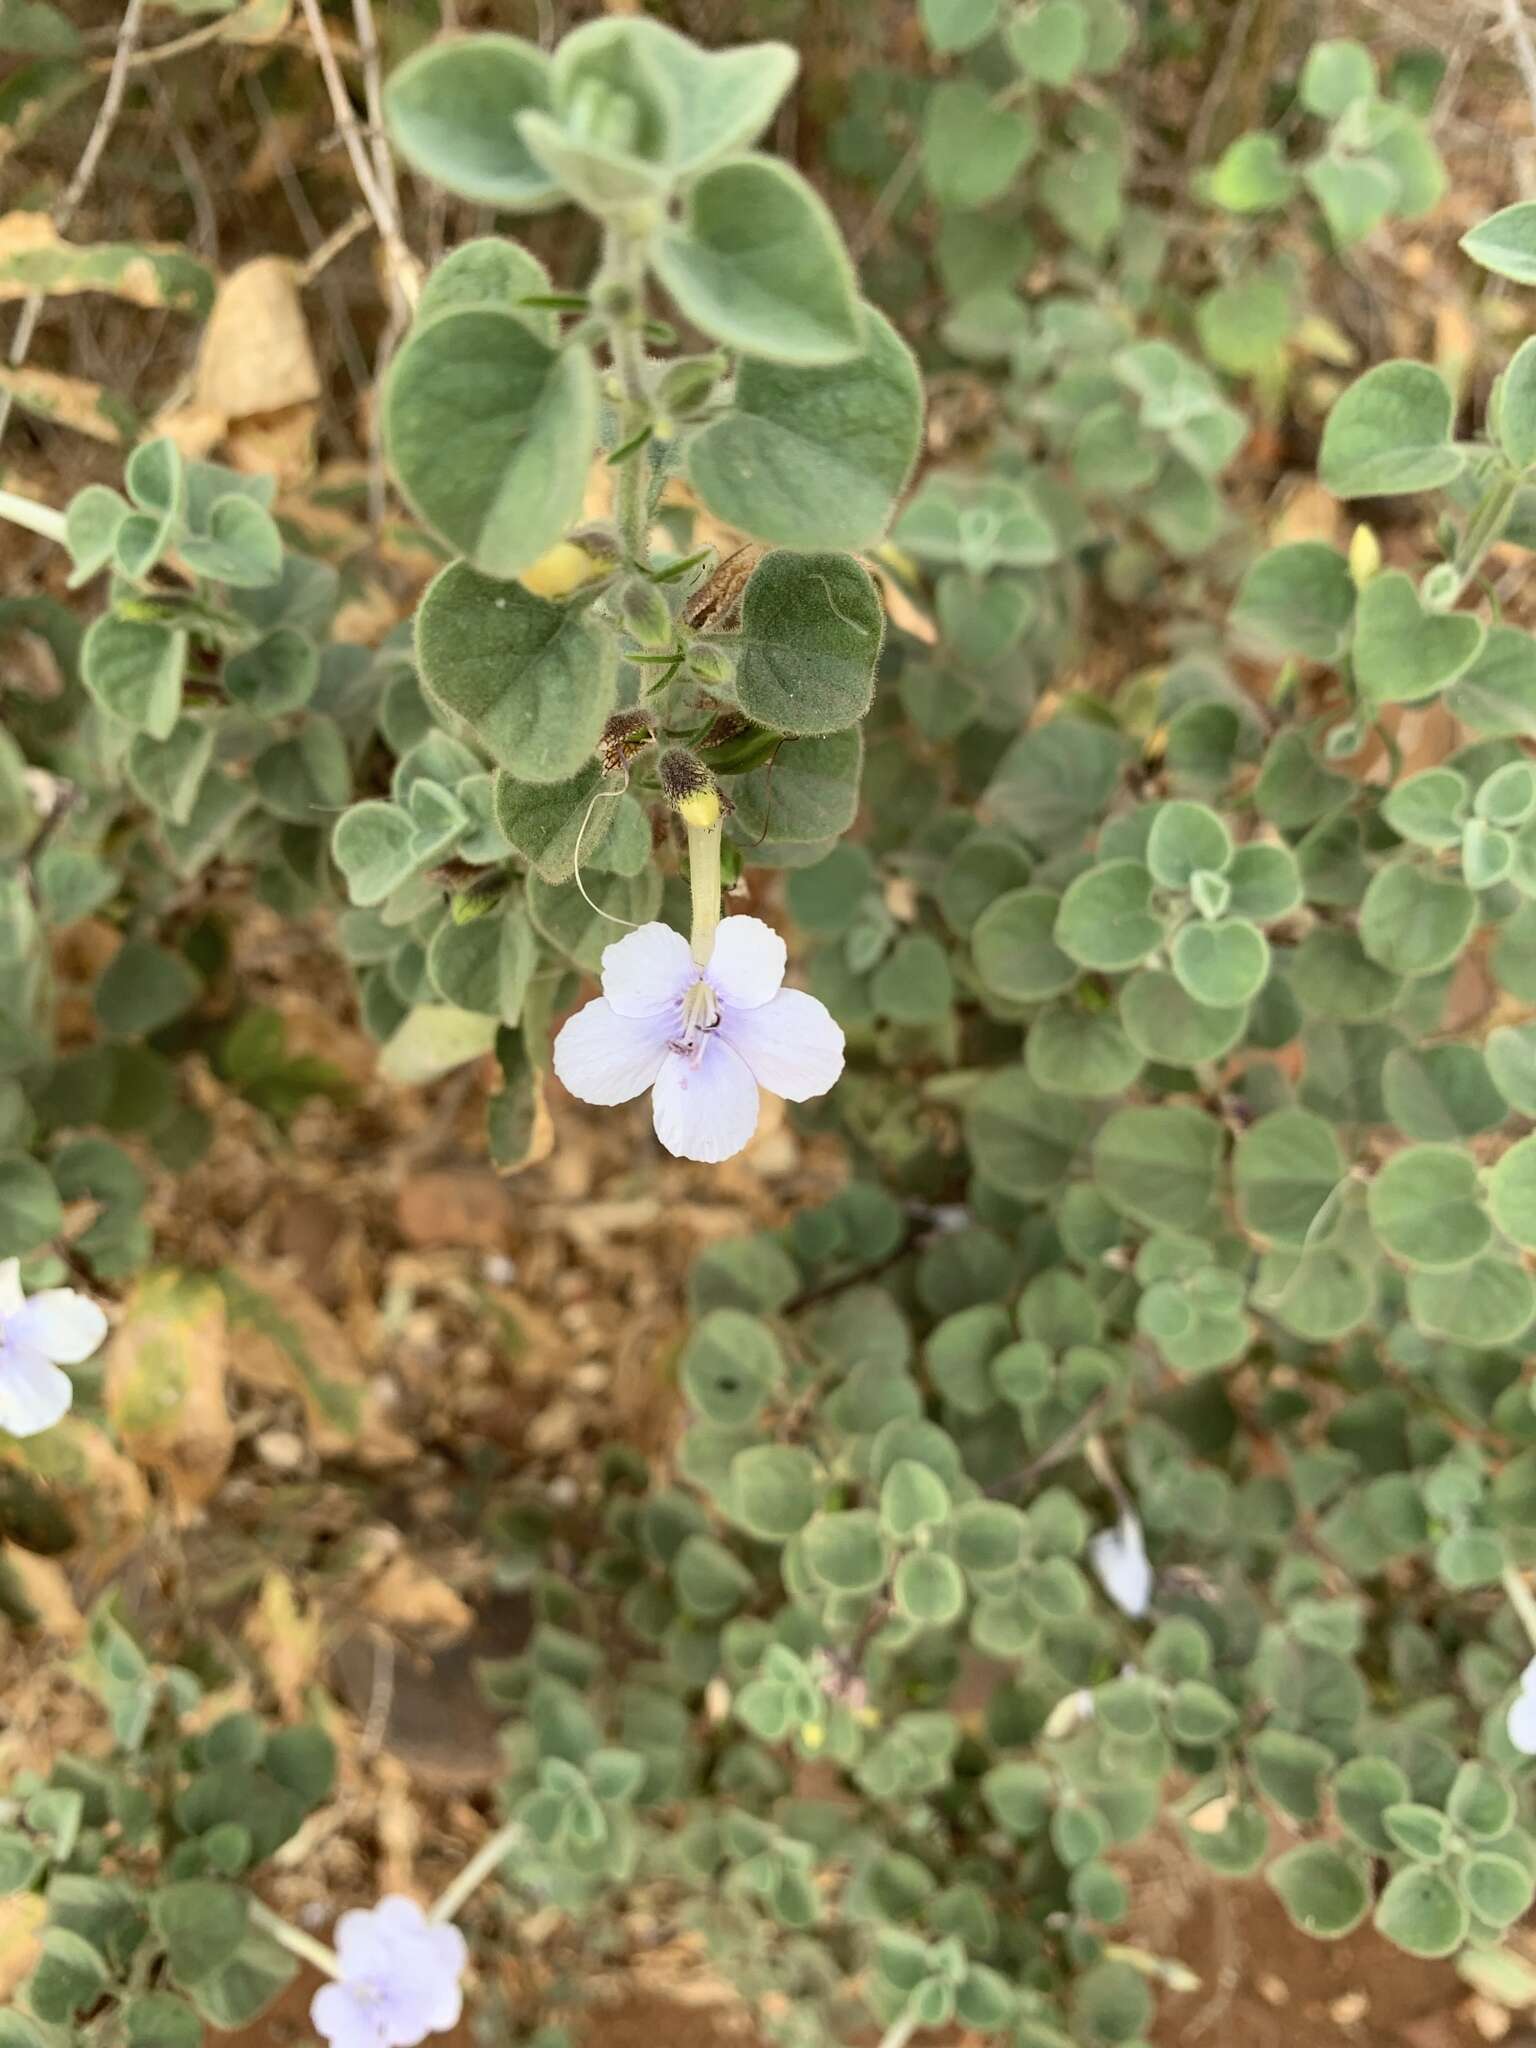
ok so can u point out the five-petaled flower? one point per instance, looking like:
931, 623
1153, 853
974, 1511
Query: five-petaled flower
399, 1978
701, 1038
1119, 1560
1520, 1722
38, 1335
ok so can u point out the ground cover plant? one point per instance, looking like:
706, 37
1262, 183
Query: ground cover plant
867, 679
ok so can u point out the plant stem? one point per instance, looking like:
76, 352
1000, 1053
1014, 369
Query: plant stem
1522, 1600
1483, 529
477, 1870
295, 1940
704, 878
624, 275
39, 519
899, 2033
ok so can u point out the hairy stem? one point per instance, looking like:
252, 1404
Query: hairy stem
39, 519
624, 276
1483, 529
477, 1870
899, 2032
294, 1939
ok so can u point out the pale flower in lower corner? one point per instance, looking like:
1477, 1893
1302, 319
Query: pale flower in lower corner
1520, 1722
399, 1979
1119, 1560
703, 1040
38, 1335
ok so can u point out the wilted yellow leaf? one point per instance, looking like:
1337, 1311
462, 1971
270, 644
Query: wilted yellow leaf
71, 402
34, 258
101, 1492
408, 1595
44, 1585
165, 1384
22, 1920
287, 1342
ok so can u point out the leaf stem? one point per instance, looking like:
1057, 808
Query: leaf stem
899, 2032
39, 519
1489, 517
477, 1870
295, 1940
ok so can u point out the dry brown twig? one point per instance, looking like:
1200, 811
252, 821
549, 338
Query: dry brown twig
79, 184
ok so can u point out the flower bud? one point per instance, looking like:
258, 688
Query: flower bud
710, 665
646, 613
479, 899
689, 788
688, 381
1364, 556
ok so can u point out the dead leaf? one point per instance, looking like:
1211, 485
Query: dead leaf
22, 1919
287, 1640
407, 1595
34, 257
166, 1369
904, 612
196, 429
71, 402
279, 444
256, 355
288, 1343
102, 1492
44, 1586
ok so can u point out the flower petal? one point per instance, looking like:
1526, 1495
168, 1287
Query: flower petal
1521, 1723
604, 1057
34, 1394
10, 1287
705, 1112
647, 971
363, 1947
344, 2020
746, 968
63, 1325
1119, 1560
793, 1045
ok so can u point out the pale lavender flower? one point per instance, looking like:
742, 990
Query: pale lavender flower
702, 1039
1119, 1560
399, 1978
1520, 1722
37, 1336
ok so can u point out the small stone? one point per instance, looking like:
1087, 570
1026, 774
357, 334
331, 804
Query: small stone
1349, 2010
1274, 1990
590, 1378
499, 1270
554, 1428
280, 1450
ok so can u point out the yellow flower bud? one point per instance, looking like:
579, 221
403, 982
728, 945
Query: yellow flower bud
1364, 556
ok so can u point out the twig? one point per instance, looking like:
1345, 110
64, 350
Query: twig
39, 519
368, 57
194, 39
1222, 79
333, 245
79, 184
404, 269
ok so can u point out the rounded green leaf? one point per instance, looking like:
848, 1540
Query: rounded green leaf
1506, 242
929, 1589
845, 1551
1159, 1166
452, 111
491, 432
1015, 953
1264, 881
1299, 599
731, 1365
1224, 963
1185, 838
1414, 920
1287, 1169
1510, 1052
912, 1497
811, 629
1337, 72
1497, 1888
1512, 1193
1332, 977
1326, 1891
1403, 651
815, 458
30, 1210
1072, 1050
972, 150
277, 675
1363, 1789
532, 682
1484, 1304
1106, 920
1440, 1092
1429, 808
1165, 1022
145, 987
134, 668
771, 1491
1424, 1207
758, 264
1419, 1911
1390, 432
1022, 1140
